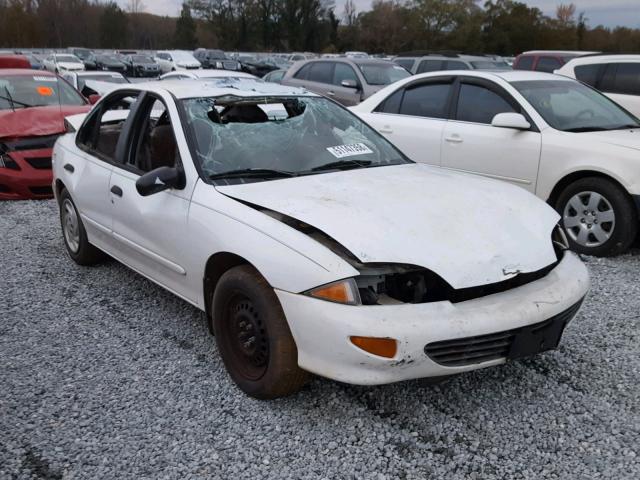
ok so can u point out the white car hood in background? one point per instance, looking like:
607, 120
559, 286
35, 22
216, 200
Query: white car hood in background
470, 231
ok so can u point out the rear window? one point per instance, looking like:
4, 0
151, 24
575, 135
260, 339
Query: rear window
548, 64
524, 63
28, 91
405, 62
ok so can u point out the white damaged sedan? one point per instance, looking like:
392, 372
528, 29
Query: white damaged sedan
312, 243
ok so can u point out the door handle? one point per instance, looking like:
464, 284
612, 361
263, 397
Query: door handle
386, 129
453, 139
116, 190
69, 168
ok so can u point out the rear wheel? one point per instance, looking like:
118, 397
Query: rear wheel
253, 336
598, 216
74, 234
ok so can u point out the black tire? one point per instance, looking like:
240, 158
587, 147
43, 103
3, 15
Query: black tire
253, 336
84, 253
621, 233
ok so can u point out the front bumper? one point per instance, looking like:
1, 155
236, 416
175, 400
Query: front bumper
32, 178
322, 329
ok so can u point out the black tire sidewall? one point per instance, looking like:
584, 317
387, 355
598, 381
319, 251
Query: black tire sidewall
626, 216
283, 362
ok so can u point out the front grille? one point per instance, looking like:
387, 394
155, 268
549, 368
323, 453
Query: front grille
47, 190
483, 348
40, 163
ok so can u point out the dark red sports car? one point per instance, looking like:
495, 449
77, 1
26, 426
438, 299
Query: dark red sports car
33, 105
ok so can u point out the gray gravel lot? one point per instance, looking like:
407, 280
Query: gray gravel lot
105, 375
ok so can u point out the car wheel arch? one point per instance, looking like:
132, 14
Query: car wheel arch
216, 266
59, 187
568, 179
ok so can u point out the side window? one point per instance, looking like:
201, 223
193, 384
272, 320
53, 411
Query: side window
154, 143
321, 72
588, 73
100, 134
405, 62
524, 63
392, 103
429, 66
456, 65
548, 64
303, 73
479, 104
428, 100
627, 79
342, 72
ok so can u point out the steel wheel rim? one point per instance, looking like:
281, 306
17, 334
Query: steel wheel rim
70, 226
589, 219
246, 337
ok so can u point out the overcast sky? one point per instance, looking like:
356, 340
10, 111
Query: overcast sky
599, 12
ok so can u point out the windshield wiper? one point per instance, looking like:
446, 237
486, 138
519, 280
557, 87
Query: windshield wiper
626, 126
253, 173
14, 102
586, 129
342, 165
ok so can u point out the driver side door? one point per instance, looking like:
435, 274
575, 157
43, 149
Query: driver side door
150, 231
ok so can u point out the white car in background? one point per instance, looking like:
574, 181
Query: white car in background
554, 136
617, 76
205, 74
173, 60
63, 62
312, 243
94, 83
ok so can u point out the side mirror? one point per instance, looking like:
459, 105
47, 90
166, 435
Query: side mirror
93, 99
511, 120
160, 179
349, 83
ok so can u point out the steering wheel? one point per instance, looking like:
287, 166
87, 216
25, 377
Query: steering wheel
586, 111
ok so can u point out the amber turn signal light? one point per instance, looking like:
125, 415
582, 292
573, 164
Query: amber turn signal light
383, 347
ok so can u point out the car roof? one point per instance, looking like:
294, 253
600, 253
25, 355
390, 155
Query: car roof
24, 71
523, 75
215, 87
556, 52
608, 57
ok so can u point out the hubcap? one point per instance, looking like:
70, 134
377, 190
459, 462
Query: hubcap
589, 219
247, 337
70, 226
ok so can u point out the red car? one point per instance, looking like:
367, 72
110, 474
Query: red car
33, 105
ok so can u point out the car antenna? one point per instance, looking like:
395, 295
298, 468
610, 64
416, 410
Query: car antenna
13, 107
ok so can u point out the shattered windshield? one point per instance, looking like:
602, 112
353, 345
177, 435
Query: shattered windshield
280, 136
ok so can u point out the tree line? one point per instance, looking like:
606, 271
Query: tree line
390, 26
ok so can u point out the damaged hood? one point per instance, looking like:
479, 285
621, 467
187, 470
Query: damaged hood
36, 121
469, 230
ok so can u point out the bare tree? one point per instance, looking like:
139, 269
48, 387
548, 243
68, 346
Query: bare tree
350, 13
136, 6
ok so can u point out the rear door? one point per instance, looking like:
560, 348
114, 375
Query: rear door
320, 78
414, 116
98, 140
471, 144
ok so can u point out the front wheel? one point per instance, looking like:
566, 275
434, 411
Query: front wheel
74, 234
253, 336
598, 216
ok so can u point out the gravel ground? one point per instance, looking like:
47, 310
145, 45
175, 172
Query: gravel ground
105, 375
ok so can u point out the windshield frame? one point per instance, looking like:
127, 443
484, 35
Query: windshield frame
574, 83
191, 140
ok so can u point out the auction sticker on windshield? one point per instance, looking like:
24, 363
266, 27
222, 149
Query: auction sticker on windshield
341, 151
